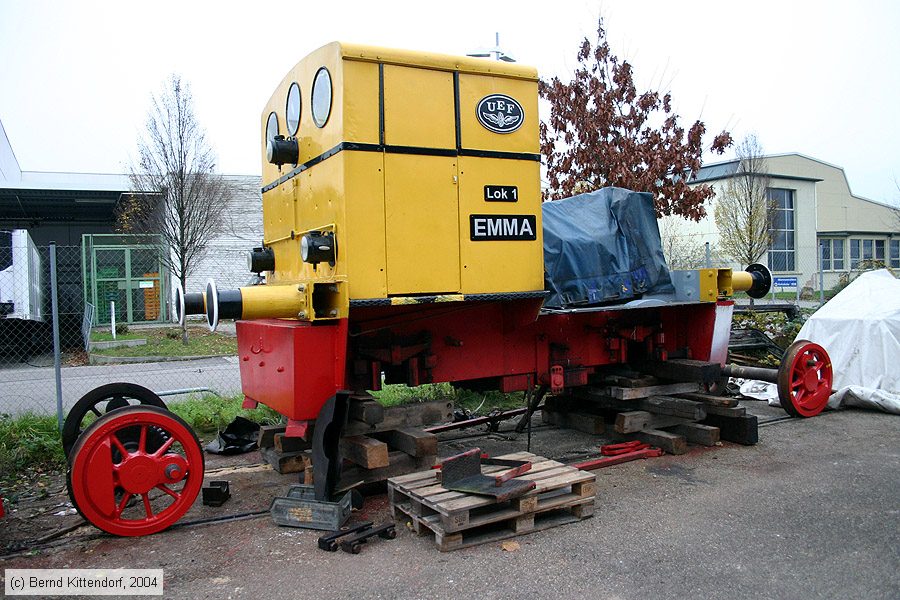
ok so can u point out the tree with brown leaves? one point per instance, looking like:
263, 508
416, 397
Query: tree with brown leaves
603, 132
176, 193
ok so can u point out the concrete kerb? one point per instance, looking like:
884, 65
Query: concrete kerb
98, 359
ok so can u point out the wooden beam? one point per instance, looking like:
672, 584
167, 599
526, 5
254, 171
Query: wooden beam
696, 433
369, 411
290, 444
676, 407
670, 442
592, 424
407, 415
410, 440
623, 393
682, 369
740, 430
289, 462
726, 411
638, 420
367, 452
401, 463
267, 433
710, 399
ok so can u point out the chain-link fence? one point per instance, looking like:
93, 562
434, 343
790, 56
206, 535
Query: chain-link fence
113, 310
116, 284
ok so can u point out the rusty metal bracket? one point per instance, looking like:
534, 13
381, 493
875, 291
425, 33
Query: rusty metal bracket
462, 473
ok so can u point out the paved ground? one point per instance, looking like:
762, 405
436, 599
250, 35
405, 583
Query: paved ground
33, 388
812, 511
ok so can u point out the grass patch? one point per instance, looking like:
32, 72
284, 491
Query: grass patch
29, 442
206, 414
474, 402
166, 341
106, 336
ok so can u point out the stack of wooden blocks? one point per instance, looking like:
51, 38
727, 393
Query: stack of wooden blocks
667, 415
379, 442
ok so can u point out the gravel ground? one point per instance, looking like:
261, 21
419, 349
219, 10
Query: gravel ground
812, 511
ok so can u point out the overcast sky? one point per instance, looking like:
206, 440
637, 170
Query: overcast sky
820, 78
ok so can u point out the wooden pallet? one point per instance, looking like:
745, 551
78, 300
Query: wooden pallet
563, 494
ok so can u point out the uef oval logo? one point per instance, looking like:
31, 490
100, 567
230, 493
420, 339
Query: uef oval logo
500, 113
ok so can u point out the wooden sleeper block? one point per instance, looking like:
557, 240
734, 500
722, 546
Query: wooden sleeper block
267, 433
290, 444
592, 424
410, 440
670, 442
288, 462
367, 452
638, 420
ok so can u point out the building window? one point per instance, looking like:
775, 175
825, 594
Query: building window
871, 252
895, 253
832, 254
781, 252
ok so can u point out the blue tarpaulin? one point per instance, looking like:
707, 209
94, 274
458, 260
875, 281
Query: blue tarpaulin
602, 247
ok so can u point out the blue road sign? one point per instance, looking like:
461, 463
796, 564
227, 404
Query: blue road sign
784, 282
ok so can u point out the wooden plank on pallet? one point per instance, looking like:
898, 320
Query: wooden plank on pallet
624, 393
592, 424
710, 399
290, 462
637, 420
291, 444
267, 433
695, 433
369, 411
411, 440
407, 415
670, 442
367, 452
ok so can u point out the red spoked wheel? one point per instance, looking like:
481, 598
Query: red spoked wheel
804, 379
135, 471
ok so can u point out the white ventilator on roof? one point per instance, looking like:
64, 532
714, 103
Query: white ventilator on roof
860, 330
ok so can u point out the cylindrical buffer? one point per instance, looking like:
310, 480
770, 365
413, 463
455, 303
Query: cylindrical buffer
261, 259
255, 302
188, 304
756, 280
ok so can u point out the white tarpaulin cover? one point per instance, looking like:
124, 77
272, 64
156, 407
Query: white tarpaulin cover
860, 330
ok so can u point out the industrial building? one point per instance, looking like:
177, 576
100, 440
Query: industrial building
819, 224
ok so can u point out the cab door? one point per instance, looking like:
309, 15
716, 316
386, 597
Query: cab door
421, 192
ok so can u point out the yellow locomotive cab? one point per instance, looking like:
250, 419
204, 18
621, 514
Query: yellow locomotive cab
417, 173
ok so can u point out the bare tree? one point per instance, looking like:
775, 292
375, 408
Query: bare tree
176, 193
743, 210
683, 249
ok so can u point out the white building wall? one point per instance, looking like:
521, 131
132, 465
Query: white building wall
226, 258
823, 205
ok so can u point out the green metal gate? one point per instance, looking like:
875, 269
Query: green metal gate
127, 270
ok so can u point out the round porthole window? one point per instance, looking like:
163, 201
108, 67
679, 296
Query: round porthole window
271, 127
321, 97
292, 110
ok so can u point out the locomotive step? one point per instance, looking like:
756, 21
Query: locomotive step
563, 494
